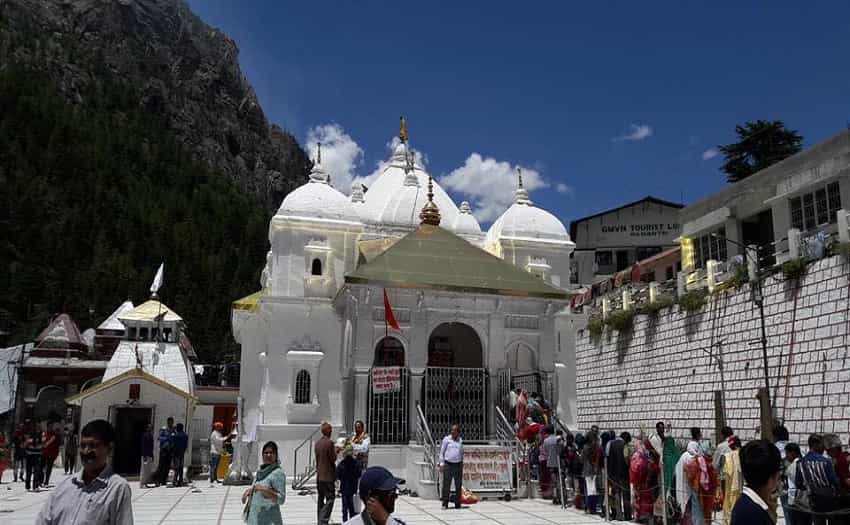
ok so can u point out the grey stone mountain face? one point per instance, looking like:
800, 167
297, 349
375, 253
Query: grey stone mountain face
183, 70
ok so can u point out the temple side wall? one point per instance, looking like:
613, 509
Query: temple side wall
663, 369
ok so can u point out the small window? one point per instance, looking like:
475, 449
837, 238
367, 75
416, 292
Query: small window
143, 334
316, 267
131, 333
302, 387
670, 273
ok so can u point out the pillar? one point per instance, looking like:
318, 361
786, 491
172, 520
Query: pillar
417, 377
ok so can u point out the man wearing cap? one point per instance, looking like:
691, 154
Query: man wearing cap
378, 491
451, 464
217, 441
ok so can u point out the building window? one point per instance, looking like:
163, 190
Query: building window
302, 387
604, 258
815, 209
316, 267
711, 246
670, 273
645, 252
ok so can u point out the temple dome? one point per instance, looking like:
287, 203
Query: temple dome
465, 223
317, 199
525, 221
400, 192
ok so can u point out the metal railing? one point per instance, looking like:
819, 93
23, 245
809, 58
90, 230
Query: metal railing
426, 439
300, 479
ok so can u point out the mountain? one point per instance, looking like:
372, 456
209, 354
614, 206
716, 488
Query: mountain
129, 136
181, 69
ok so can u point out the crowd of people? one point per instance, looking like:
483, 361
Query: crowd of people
642, 479
32, 453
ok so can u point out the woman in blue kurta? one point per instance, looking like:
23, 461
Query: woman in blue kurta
269, 490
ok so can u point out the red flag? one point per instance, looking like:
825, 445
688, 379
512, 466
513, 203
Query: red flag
389, 318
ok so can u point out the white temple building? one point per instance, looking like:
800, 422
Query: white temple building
478, 312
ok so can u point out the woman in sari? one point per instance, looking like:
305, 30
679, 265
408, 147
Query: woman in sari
696, 481
643, 476
268, 492
733, 482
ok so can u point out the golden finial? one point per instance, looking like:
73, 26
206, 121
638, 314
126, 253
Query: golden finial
402, 131
430, 214
518, 172
319, 154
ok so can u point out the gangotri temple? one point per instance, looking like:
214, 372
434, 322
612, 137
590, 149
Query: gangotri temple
477, 313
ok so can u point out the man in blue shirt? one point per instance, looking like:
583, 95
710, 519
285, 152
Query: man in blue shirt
451, 464
816, 477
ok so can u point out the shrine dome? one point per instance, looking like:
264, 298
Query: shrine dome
400, 192
317, 199
526, 222
465, 223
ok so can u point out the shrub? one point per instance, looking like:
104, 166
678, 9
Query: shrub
595, 325
739, 279
694, 300
794, 269
842, 249
621, 320
660, 303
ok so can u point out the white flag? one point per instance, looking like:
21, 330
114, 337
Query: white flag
157, 280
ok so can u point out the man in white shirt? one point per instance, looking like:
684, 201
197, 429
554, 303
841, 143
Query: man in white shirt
451, 464
217, 441
95, 495
360, 444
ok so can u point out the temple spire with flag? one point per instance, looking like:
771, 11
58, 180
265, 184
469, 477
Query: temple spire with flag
157, 280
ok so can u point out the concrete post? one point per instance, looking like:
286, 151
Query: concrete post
627, 299
711, 274
606, 307
653, 292
843, 225
794, 243
752, 262
681, 284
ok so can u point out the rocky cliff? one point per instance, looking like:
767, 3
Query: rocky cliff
180, 69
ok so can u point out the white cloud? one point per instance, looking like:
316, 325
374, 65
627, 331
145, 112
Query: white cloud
638, 132
341, 155
490, 184
563, 188
710, 153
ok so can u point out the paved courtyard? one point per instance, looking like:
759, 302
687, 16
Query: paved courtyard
221, 505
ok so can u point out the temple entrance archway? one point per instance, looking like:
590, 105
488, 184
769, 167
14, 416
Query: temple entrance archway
388, 393
454, 389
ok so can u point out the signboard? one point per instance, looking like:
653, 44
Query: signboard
386, 379
487, 468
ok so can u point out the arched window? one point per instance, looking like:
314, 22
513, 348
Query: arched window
317, 267
302, 387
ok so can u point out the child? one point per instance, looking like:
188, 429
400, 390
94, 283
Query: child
348, 474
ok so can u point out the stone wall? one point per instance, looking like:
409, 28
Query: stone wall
666, 368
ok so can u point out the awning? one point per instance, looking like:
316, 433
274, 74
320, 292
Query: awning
249, 303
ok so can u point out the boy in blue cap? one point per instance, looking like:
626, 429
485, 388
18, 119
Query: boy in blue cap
378, 490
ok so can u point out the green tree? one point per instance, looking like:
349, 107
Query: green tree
760, 144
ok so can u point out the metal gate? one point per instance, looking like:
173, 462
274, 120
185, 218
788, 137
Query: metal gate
541, 382
456, 395
388, 413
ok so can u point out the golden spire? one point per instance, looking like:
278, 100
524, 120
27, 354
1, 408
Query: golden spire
402, 131
319, 154
430, 214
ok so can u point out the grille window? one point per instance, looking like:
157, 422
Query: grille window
302, 387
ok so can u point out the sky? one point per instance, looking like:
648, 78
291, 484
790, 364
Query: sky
599, 103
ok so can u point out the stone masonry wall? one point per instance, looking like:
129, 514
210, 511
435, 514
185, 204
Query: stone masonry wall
663, 370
